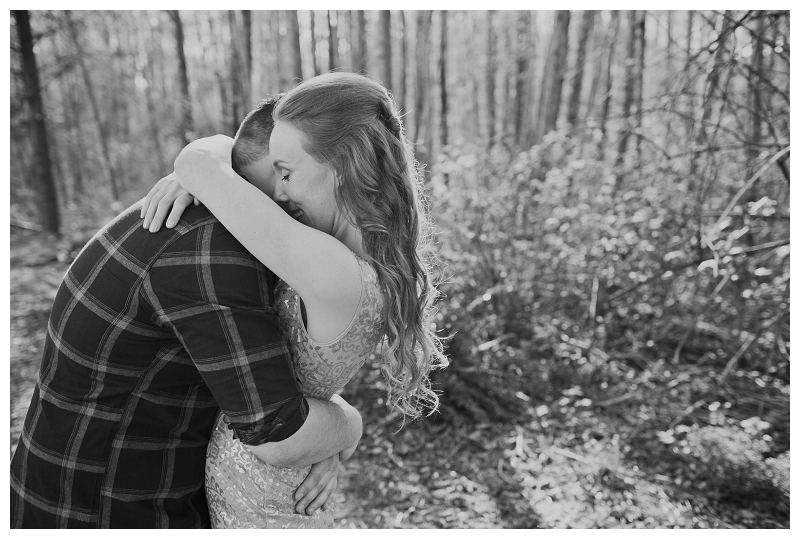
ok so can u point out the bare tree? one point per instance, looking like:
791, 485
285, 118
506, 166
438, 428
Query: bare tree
553, 78
102, 133
296, 62
186, 101
313, 29
627, 101
612, 41
443, 76
640, 26
333, 40
360, 61
384, 55
41, 165
521, 98
422, 105
573, 108
491, 67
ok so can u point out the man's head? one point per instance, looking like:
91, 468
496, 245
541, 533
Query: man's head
250, 155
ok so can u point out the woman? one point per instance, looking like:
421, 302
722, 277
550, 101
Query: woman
354, 247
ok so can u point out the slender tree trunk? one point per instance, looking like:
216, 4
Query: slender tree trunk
521, 98
76, 150
247, 55
553, 79
235, 74
145, 71
296, 61
422, 103
443, 77
689, 86
402, 88
627, 103
186, 102
385, 48
313, 29
574, 106
669, 75
280, 62
333, 40
612, 37
41, 164
102, 133
360, 43
641, 25
491, 68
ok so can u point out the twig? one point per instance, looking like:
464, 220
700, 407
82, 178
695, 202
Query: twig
750, 340
745, 187
687, 413
25, 225
616, 400
568, 454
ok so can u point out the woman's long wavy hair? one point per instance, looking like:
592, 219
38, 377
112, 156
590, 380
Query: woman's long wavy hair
351, 123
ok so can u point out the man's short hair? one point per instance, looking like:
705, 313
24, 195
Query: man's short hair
252, 138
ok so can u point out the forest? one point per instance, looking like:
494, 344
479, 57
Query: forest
610, 191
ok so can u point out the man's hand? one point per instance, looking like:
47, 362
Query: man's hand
316, 490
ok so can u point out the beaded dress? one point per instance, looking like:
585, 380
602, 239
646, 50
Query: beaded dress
244, 491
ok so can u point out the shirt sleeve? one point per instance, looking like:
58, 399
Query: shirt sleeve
215, 297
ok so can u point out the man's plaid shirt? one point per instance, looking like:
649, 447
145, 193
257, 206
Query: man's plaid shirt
149, 336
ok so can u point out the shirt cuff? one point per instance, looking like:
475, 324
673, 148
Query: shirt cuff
275, 427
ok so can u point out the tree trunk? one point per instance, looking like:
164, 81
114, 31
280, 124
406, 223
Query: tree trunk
360, 43
670, 56
491, 69
574, 106
314, 63
401, 87
553, 79
612, 38
145, 70
102, 133
40, 164
235, 75
641, 24
443, 77
385, 48
278, 47
247, 55
521, 99
333, 41
627, 103
185, 101
296, 61
689, 86
421, 95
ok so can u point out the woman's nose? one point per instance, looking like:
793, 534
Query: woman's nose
279, 193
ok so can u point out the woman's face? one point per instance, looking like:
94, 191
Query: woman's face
302, 183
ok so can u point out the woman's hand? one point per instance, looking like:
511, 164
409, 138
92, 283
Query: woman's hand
165, 194
316, 490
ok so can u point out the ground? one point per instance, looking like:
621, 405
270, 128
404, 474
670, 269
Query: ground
565, 464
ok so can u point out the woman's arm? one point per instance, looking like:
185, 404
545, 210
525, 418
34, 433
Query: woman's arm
320, 268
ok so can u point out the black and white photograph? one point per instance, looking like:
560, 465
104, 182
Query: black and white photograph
399, 269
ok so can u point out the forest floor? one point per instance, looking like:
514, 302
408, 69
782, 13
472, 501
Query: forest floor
568, 464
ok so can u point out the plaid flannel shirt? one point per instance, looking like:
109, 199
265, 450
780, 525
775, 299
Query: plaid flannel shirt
149, 337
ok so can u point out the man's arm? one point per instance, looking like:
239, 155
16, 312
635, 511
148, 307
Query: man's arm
331, 427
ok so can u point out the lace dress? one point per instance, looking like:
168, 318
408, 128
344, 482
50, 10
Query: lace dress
244, 491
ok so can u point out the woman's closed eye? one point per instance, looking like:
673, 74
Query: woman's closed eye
285, 177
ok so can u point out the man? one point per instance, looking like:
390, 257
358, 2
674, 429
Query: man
149, 336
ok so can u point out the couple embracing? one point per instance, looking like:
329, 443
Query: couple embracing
190, 376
